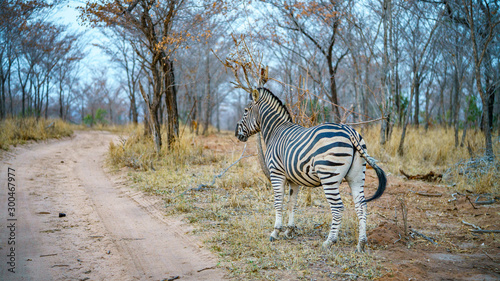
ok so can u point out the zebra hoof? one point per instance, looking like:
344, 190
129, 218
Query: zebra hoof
290, 232
274, 234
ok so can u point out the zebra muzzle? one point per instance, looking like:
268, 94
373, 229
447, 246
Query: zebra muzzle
242, 138
239, 133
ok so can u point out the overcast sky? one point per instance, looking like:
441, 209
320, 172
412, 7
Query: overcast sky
95, 59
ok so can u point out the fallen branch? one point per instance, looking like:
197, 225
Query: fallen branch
484, 202
430, 239
455, 198
206, 268
484, 252
431, 176
468, 198
427, 194
382, 215
470, 224
398, 239
206, 186
478, 229
485, 231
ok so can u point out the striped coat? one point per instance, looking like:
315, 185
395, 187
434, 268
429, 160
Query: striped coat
318, 156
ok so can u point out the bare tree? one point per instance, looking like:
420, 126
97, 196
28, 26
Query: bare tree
310, 20
419, 55
159, 29
482, 21
121, 52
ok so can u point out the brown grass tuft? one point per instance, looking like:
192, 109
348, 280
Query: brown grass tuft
435, 151
20, 130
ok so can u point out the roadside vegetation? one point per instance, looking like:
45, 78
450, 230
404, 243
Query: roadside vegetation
14, 131
235, 215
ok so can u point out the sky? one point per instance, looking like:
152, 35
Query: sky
95, 59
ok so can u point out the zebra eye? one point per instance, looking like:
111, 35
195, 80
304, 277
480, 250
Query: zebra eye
246, 110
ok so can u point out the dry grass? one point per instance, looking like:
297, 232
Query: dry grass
20, 130
237, 214
435, 150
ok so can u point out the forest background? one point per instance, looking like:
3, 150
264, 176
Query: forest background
423, 63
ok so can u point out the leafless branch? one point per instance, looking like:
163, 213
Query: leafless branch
430, 239
204, 186
244, 58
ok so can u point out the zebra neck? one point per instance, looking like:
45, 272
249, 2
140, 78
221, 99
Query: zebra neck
270, 122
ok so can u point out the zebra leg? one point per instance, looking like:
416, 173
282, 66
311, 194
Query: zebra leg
294, 192
278, 183
356, 180
330, 182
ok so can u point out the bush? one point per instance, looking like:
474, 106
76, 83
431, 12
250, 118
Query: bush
99, 118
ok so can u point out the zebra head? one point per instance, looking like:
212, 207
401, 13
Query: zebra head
249, 124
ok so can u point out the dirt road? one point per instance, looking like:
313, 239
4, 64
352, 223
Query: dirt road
110, 232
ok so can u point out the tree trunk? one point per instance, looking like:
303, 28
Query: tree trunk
198, 115
152, 112
208, 107
217, 111
399, 107
456, 102
10, 95
355, 85
385, 69
466, 124
133, 107
406, 121
171, 101
2, 101
47, 100
2, 91
147, 127
417, 101
155, 129
441, 112
61, 103
333, 91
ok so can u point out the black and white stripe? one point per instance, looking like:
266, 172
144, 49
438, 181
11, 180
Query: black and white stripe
318, 156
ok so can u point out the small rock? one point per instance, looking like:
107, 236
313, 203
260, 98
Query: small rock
61, 215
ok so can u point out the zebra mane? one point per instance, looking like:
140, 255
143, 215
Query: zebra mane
288, 117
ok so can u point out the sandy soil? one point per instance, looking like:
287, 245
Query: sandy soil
109, 232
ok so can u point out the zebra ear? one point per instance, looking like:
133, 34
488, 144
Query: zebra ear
255, 95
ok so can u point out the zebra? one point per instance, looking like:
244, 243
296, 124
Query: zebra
317, 156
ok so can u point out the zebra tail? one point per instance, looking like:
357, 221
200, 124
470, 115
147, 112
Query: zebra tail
382, 179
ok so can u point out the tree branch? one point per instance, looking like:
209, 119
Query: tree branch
204, 186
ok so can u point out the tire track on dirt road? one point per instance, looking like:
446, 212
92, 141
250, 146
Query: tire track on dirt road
109, 232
